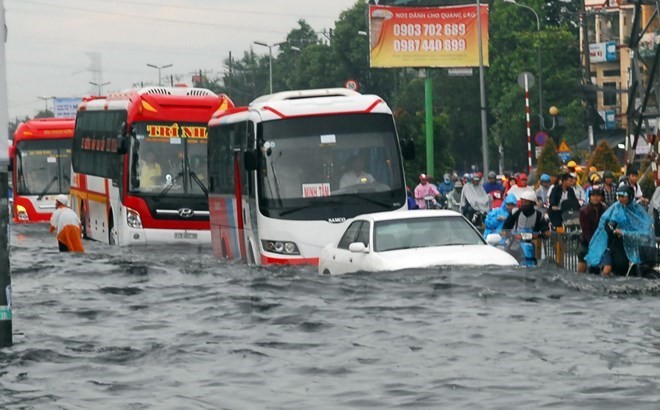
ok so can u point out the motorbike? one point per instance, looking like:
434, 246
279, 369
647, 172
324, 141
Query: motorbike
431, 202
520, 245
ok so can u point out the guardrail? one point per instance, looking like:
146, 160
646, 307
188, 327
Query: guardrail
561, 248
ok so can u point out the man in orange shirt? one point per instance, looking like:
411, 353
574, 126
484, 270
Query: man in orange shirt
66, 224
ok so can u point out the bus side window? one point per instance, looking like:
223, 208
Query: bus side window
247, 140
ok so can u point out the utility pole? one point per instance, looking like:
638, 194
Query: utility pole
5, 274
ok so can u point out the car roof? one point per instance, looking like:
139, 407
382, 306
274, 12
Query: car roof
418, 213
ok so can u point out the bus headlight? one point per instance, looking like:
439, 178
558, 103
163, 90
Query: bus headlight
133, 218
281, 247
21, 213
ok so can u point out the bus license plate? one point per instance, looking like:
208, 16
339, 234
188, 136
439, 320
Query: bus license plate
185, 235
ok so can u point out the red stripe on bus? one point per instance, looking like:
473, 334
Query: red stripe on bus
239, 204
269, 260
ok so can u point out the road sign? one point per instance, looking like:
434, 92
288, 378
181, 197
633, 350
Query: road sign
537, 151
541, 138
563, 147
459, 72
564, 156
530, 80
351, 85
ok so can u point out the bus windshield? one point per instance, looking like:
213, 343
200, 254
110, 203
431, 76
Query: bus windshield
43, 167
161, 164
347, 161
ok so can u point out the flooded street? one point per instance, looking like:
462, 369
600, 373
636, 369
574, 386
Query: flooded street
176, 328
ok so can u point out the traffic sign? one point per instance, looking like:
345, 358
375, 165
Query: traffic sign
351, 85
563, 147
538, 151
564, 156
541, 138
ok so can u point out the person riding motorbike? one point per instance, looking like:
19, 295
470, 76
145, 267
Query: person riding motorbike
475, 202
426, 195
526, 224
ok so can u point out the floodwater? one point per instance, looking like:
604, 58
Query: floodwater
175, 328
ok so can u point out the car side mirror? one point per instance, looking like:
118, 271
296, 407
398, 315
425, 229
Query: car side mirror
358, 247
250, 160
493, 239
408, 149
123, 142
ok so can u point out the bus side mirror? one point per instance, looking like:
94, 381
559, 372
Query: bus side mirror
408, 149
123, 144
250, 160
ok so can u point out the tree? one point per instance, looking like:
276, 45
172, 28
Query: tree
548, 162
604, 158
45, 114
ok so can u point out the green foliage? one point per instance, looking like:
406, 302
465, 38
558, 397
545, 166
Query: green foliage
331, 58
45, 114
548, 162
604, 158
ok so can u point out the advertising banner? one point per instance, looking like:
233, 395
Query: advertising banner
427, 36
602, 52
65, 107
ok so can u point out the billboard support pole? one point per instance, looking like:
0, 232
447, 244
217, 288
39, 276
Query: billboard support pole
482, 92
428, 104
5, 275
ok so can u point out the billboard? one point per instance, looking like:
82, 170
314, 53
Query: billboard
66, 107
602, 52
427, 36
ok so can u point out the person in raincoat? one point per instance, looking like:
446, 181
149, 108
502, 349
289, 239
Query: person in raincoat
474, 199
454, 197
66, 224
623, 230
494, 221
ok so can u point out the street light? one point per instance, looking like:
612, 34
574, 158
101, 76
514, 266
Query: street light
99, 86
159, 68
270, 60
538, 29
46, 101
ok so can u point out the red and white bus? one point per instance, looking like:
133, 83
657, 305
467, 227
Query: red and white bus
285, 177
140, 165
41, 167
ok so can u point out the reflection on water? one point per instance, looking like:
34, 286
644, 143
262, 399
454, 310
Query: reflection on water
176, 328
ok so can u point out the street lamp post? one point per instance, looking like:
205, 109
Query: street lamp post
99, 86
270, 60
45, 99
159, 68
538, 30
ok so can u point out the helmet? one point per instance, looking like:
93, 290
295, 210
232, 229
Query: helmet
545, 178
594, 179
608, 174
625, 189
423, 177
571, 164
596, 190
476, 175
522, 176
492, 174
63, 199
458, 184
528, 196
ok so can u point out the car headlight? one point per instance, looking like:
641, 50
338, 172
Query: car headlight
281, 247
133, 218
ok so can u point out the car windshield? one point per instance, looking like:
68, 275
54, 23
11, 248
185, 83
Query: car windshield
43, 167
169, 159
310, 164
424, 232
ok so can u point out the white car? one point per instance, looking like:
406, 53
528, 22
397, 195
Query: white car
388, 241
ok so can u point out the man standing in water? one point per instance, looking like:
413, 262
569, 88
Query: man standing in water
66, 224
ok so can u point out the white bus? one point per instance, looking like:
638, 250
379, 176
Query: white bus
289, 172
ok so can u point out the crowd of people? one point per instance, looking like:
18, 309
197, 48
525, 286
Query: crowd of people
616, 223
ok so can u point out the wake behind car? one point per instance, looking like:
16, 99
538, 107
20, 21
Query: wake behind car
389, 241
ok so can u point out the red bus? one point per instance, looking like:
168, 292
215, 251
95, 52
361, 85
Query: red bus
140, 165
41, 167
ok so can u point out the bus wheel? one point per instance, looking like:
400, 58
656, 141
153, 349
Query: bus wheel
112, 231
326, 272
83, 220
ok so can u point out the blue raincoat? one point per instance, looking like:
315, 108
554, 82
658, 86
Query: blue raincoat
637, 228
492, 222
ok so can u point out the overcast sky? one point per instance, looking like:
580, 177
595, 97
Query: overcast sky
52, 45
